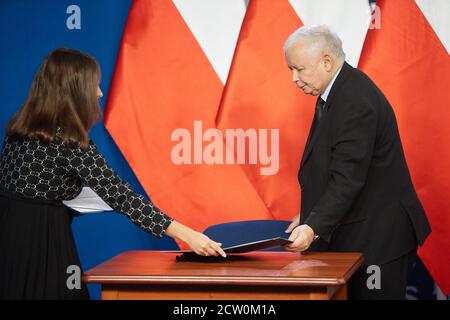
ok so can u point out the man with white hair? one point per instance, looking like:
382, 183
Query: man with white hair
357, 193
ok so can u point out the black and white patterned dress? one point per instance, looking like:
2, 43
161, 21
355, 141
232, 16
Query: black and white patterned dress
36, 242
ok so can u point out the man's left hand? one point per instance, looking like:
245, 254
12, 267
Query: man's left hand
302, 237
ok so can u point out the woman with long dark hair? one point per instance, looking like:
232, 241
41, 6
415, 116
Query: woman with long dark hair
47, 156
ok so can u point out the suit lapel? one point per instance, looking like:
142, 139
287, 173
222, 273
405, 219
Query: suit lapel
312, 140
307, 150
344, 73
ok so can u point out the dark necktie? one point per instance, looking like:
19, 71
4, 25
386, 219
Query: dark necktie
319, 108
317, 115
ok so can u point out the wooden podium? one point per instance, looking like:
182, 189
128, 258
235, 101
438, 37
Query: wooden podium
251, 276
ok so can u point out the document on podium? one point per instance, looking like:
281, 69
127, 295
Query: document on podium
240, 248
88, 201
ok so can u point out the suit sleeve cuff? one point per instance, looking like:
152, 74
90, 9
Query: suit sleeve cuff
320, 229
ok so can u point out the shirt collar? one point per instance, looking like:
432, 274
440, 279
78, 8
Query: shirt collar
327, 90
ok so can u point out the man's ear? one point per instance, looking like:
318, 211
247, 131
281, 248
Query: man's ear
327, 62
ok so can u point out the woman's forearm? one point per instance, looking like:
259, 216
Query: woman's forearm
178, 231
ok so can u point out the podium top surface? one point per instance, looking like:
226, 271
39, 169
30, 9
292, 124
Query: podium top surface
255, 268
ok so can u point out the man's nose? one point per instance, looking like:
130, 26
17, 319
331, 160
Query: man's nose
295, 77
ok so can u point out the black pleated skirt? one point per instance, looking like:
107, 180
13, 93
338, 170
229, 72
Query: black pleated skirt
38, 256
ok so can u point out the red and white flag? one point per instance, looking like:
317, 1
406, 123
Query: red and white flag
259, 95
163, 84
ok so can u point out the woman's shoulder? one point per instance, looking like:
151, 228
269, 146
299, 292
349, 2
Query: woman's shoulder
39, 144
14, 139
55, 148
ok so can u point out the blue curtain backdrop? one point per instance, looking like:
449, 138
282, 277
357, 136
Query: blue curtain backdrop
29, 30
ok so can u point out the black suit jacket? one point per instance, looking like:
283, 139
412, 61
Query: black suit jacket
357, 193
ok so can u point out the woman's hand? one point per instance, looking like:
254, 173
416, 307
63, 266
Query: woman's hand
199, 243
204, 246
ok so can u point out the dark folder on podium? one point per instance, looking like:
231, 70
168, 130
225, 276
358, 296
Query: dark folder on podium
240, 248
